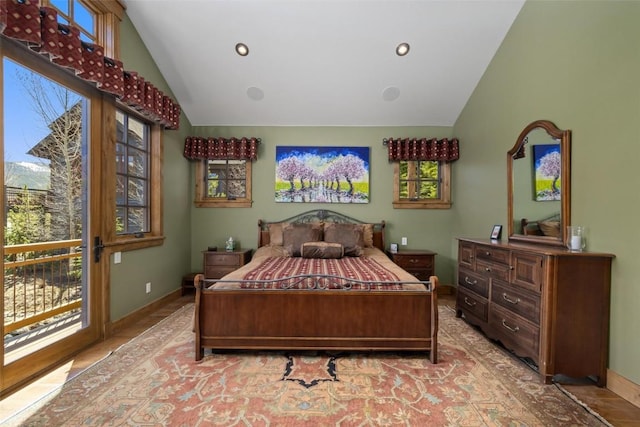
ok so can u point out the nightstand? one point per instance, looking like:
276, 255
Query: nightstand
420, 263
219, 263
188, 283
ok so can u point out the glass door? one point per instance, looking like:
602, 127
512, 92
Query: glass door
47, 233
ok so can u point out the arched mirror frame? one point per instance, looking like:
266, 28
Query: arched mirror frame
564, 136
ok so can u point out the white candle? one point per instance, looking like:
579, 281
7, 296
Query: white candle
576, 243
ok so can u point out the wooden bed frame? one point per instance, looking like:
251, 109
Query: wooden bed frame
329, 319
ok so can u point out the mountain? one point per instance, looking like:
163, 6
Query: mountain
26, 174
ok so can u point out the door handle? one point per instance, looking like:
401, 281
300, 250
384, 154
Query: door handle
98, 247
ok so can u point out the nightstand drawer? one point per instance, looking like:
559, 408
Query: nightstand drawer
222, 258
420, 263
218, 264
413, 261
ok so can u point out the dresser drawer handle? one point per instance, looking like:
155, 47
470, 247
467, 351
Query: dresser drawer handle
487, 269
469, 282
515, 329
413, 260
469, 303
507, 299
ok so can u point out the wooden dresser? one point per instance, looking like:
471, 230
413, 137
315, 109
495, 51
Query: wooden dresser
220, 263
544, 303
420, 263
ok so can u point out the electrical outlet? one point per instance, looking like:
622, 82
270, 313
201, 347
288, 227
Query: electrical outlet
404, 241
117, 257
148, 287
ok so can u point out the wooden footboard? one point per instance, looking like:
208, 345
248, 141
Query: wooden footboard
260, 319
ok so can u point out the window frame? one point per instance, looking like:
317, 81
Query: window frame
128, 149
443, 202
201, 199
153, 237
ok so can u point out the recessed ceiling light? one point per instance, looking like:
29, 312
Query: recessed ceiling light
255, 93
391, 93
402, 49
242, 49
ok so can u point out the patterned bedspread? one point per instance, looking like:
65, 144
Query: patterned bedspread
343, 273
272, 262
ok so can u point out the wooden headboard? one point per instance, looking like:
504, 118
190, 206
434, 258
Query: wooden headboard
322, 215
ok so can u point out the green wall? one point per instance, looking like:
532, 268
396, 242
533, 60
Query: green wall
164, 265
578, 65
425, 229
574, 63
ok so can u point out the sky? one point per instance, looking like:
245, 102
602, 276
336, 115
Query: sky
23, 127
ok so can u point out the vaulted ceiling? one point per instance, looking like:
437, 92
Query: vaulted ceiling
322, 62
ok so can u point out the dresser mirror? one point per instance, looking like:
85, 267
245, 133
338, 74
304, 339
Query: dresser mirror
539, 184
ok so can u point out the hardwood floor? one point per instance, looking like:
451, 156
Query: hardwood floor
617, 411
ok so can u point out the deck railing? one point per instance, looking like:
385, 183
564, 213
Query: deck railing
41, 281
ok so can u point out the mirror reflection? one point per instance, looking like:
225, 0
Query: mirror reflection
538, 169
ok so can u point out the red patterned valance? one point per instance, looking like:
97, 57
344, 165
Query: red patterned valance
39, 29
196, 147
433, 149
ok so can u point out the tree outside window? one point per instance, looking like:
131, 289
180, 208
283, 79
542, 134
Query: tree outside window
421, 185
223, 183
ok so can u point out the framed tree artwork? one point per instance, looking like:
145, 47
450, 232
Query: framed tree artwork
547, 168
322, 174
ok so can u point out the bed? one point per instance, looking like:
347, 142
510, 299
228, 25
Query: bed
269, 304
543, 227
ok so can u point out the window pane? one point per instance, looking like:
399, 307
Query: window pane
120, 186
62, 5
137, 165
132, 168
136, 221
136, 136
226, 179
119, 220
429, 190
121, 164
137, 192
83, 17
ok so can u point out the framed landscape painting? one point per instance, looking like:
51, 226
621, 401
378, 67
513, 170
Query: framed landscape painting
547, 164
322, 174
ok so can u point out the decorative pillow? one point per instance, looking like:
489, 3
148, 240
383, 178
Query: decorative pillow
324, 250
368, 235
294, 235
350, 236
550, 228
275, 233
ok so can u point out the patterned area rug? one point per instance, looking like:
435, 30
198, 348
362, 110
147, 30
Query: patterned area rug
154, 381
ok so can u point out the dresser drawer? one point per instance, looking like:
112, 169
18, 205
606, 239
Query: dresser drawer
221, 258
474, 282
492, 254
515, 332
494, 270
516, 301
472, 304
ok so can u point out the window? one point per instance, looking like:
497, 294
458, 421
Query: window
422, 185
74, 12
223, 183
132, 175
